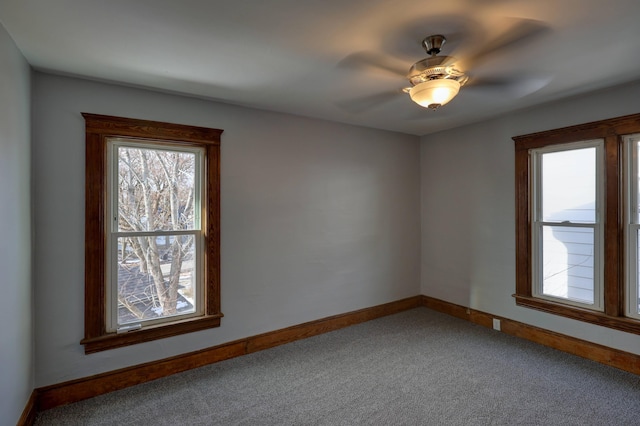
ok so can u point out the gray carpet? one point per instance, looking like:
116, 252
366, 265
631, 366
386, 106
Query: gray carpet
418, 367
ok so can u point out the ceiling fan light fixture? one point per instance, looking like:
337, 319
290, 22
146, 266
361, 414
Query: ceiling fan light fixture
434, 93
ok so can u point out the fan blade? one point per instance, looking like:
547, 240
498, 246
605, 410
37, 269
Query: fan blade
367, 60
512, 87
362, 104
519, 34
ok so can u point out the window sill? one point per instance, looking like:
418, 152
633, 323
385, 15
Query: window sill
628, 325
114, 340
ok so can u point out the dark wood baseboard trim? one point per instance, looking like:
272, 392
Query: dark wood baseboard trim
593, 351
76, 390
290, 334
28, 416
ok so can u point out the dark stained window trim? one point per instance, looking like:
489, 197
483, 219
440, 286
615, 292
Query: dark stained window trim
98, 129
611, 131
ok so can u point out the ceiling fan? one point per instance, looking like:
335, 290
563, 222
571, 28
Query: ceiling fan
436, 80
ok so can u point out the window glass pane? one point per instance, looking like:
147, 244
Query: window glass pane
569, 186
156, 277
635, 306
156, 189
568, 263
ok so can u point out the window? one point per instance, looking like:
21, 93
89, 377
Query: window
152, 231
566, 228
578, 222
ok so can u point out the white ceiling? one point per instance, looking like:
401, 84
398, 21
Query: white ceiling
309, 57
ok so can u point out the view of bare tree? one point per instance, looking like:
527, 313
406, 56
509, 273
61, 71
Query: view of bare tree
156, 192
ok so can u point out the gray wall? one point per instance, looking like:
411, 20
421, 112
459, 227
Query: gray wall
468, 211
16, 341
318, 219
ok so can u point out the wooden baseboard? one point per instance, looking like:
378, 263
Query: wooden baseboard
593, 351
28, 416
88, 387
77, 390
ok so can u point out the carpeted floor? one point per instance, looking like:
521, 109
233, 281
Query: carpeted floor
418, 367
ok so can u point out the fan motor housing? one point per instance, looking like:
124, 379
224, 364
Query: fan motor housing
435, 68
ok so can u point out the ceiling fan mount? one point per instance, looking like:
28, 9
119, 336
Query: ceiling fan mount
433, 44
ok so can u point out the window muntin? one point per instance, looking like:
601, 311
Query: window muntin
155, 238
566, 229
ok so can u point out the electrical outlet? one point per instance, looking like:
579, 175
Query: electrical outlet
496, 324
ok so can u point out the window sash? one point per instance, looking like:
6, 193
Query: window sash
200, 184
112, 289
539, 279
632, 292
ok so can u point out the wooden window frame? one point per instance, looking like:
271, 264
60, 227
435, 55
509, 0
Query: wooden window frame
100, 128
612, 132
